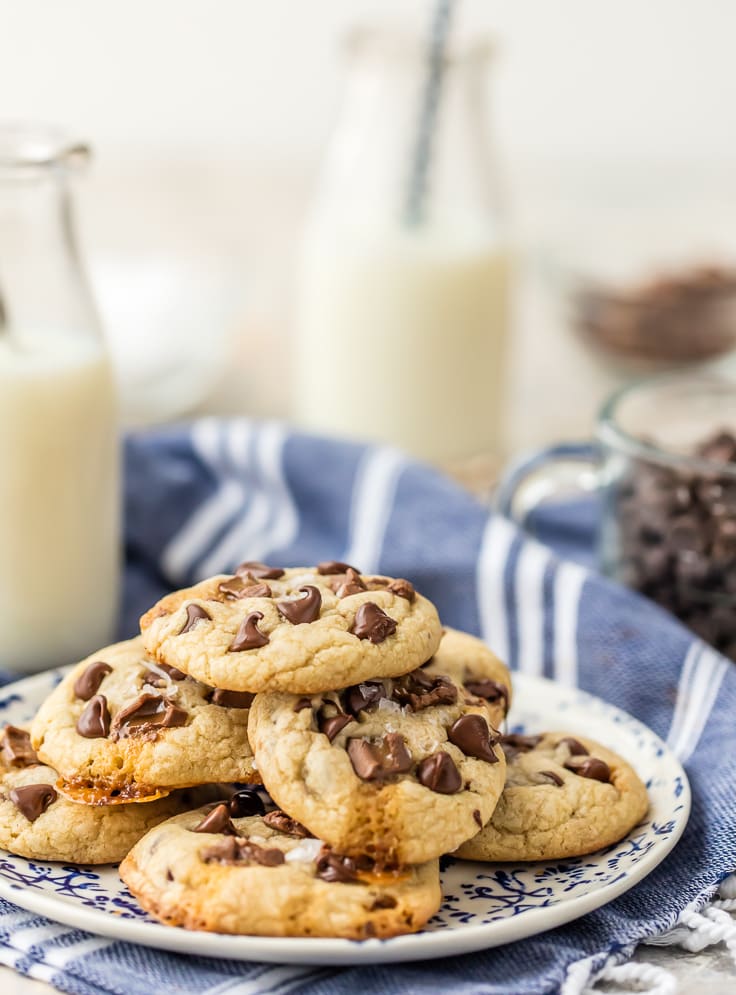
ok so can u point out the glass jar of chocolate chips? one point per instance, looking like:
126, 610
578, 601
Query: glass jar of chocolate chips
664, 466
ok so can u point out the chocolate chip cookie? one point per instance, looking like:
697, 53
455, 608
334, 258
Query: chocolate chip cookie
301, 630
121, 727
565, 796
213, 869
402, 769
469, 662
38, 823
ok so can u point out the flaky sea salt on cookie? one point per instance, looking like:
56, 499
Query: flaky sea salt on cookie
121, 727
267, 876
565, 796
301, 630
401, 768
38, 823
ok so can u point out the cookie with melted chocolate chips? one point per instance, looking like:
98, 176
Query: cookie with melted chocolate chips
123, 727
401, 768
302, 630
266, 875
565, 796
38, 823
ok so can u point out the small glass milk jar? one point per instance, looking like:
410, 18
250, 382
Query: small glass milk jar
59, 474
402, 317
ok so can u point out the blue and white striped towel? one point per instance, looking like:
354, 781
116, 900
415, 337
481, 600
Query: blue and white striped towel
200, 499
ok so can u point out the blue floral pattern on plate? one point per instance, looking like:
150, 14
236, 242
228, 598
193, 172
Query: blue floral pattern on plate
506, 901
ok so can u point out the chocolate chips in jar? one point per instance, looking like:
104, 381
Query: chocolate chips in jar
675, 536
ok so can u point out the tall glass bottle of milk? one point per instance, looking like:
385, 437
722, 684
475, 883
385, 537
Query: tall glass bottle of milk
402, 306
59, 482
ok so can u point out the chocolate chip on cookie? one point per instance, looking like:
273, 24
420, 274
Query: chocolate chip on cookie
236, 588
362, 696
487, 689
372, 623
419, 690
472, 735
353, 584
552, 776
32, 800
146, 716
249, 636
258, 571
217, 821
88, 683
439, 773
383, 902
16, 748
329, 567
303, 609
195, 613
246, 802
232, 850
515, 743
376, 761
156, 679
575, 747
94, 722
591, 767
285, 824
336, 867
231, 699
402, 588
331, 725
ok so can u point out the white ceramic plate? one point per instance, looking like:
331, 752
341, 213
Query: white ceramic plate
485, 904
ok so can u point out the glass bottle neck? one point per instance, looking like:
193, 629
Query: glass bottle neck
371, 163
43, 289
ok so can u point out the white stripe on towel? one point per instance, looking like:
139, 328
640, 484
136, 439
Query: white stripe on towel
271, 521
568, 586
702, 673
530, 569
498, 536
199, 531
372, 502
35, 936
59, 957
267, 981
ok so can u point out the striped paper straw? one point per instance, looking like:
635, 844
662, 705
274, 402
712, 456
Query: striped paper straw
421, 160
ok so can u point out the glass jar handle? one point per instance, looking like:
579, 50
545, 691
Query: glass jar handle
564, 470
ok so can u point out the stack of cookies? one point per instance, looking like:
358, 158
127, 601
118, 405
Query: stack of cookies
374, 731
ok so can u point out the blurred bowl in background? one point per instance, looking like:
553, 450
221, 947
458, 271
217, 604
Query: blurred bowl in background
170, 323
673, 317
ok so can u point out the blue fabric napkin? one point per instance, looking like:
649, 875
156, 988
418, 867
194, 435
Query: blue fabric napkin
201, 498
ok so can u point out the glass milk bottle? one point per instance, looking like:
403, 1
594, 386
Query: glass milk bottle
402, 316
59, 481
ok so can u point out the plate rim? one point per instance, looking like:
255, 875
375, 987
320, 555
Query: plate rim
336, 951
